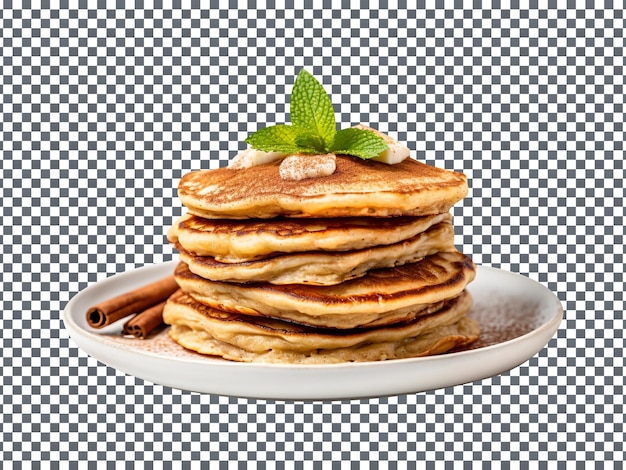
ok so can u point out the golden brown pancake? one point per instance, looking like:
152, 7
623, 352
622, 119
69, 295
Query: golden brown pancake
381, 297
256, 339
356, 188
235, 241
324, 268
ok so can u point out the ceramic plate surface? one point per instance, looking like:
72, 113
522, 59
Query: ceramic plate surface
518, 316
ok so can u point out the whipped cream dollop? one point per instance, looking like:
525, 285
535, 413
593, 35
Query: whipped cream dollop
300, 167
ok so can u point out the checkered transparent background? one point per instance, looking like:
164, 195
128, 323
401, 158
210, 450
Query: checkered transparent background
103, 110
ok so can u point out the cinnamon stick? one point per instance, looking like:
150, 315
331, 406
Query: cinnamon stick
142, 324
135, 301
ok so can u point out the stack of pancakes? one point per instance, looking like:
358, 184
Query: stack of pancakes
359, 265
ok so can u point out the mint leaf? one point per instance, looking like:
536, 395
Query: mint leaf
311, 141
311, 109
358, 142
278, 138
314, 128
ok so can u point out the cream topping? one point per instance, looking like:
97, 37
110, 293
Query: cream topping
299, 167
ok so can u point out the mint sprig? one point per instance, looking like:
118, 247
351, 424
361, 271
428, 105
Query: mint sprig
314, 128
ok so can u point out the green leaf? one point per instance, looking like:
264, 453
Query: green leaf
358, 142
311, 141
314, 129
278, 138
311, 109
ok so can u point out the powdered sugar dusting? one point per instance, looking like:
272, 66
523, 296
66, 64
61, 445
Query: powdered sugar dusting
503, 318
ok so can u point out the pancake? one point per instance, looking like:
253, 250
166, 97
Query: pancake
235, 241
324, 268
356, 188
382, 296
255, 339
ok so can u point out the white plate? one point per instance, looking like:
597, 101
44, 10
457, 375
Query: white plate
518, 317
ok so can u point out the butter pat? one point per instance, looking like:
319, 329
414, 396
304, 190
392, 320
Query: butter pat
396, 151
299, 167
251, 157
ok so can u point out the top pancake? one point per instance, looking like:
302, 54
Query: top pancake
356, 188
